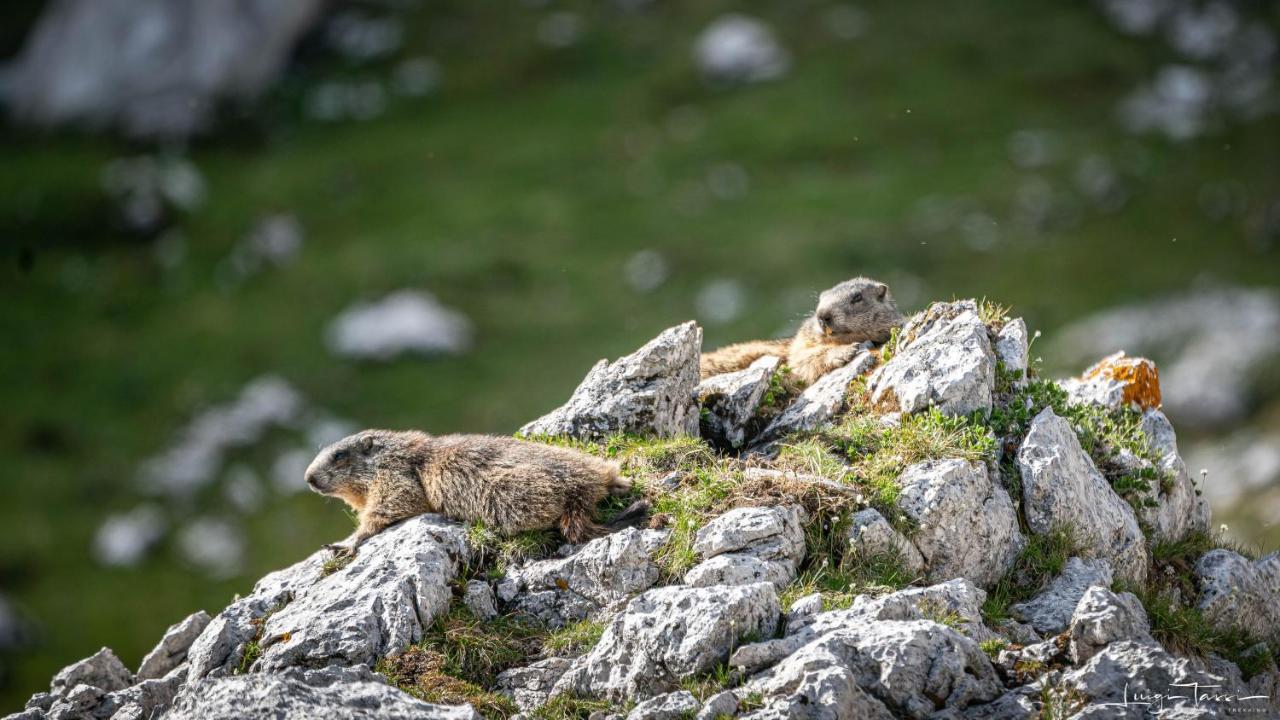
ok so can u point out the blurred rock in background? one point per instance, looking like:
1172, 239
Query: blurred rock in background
152, 68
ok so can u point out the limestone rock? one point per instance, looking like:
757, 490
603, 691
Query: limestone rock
376, 606
722, 703
1103, 617
531, 686
1117, 381
1128, 668
913, 669
958, 601
1180, 509
600, 575
870, 536
671, 706
479, 600
967, 524
295, 694
668, 634
1235, 592
1062, 488
747, 545
648, 391
172, 649
146, 699
729, 401
944, 359
1050, 611
814, 684
1011, 347
102, 670
818, 403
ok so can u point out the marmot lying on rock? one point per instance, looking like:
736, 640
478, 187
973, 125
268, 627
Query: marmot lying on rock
511, 485
855, 311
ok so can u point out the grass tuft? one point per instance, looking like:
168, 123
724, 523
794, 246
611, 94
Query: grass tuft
1039, 562
573, 640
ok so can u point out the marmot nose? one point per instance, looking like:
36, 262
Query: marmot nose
312, 481
824, 319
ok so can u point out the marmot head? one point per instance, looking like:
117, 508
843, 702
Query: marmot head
345, 468
857, 310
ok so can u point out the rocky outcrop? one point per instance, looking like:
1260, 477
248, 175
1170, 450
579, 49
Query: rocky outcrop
1103, 617
669, 634
967, 526
1116, 382
648, 391
173, 647
729, 401
152, 69
601, 575
819, 402
871, 536
911, 669
944, 360
303, 642
1061, 489
1050, 611
1238, 593
750, 545
297, 694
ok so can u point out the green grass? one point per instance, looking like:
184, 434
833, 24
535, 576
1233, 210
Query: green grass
573, 640
517, 196
568, 707
1039, 562
493, 554
460, 656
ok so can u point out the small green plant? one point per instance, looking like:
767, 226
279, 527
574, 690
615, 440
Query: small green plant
993, 646
703, 686
940, 614
252, 651
993, 314
336, 563
569, 707
573, 640
1039, 562
493, 554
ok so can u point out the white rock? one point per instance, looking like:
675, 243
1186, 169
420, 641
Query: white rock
172, 648
671, 706
722, 703
1103, 617
669, 634
479, 600
373, 607
1237, 593
730, 400
146, 699
913, 668
600, 575
1128, 669
407, 321
1011, 347
967, 526
871, 536
1179, 508
295, 694
153, 70
750, 545
1050, 611
530, 686
943, 360
737, 48
648, 391
102, 670
1061, 488
819, 402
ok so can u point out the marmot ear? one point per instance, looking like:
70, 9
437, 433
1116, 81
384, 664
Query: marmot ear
366, 444
881, 290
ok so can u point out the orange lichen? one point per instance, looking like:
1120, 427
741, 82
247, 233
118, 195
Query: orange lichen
1139, 377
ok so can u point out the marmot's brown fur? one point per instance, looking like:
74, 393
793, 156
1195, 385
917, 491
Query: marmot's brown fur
511, 485
855, 311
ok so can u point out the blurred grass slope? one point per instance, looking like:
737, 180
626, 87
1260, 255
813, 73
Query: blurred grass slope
516, 195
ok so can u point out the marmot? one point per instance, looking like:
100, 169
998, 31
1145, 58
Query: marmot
511, 485
852, 312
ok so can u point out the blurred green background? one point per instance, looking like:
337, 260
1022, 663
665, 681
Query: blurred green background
914, 142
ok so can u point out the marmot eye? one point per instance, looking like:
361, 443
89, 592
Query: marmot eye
857, 297
340, 455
